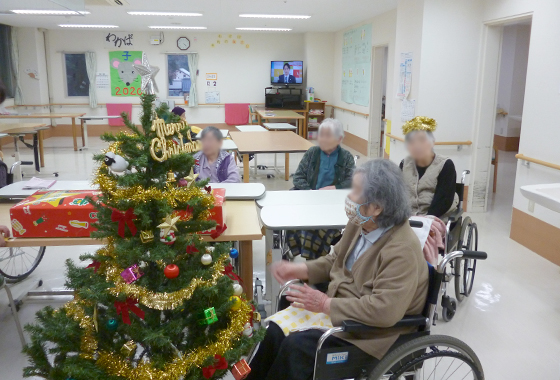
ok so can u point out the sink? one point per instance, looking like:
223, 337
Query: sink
546, 195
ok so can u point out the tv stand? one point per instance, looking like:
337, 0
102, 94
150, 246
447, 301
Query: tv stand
283, 97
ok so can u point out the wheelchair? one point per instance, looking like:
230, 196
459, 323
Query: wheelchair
413, 356
461, 234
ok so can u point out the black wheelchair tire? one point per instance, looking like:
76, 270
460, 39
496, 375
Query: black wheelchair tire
469, 265
393, 362
448, 312
13, 278
465, 242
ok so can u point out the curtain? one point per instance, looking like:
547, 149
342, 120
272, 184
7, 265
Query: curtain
91, 68
18, 94
193, 69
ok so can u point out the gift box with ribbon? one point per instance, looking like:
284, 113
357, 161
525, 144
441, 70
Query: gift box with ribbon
217, 213
55, 214
208, 316
240, 370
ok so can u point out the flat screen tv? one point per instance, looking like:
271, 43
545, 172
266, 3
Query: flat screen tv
286, 72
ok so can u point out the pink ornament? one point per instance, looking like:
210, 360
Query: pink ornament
182, 182
131, 274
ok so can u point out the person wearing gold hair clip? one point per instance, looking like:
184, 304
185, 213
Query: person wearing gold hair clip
430, 177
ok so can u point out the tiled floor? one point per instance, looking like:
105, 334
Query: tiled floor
511, 319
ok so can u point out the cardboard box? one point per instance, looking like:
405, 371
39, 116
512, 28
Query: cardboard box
54, 214
218, 213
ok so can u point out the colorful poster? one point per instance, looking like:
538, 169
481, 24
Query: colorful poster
405, 75
356, 65
125, 81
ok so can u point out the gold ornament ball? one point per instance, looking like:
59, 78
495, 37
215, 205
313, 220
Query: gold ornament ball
237, 289
236, 302
206, 259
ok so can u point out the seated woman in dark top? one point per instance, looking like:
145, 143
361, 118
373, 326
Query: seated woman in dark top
430, 178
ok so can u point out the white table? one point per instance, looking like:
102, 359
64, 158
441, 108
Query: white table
15, 190
279, 126
83, 120
250, 128
304, 197
241, 191
304, 217
229, 145
225, 133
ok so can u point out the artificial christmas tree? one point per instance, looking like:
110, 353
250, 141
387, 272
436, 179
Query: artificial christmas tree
165, 308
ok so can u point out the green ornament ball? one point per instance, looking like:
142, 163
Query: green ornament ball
112, 324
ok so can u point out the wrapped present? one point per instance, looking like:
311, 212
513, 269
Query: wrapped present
208, 316
240, 370
217, 213
54, 214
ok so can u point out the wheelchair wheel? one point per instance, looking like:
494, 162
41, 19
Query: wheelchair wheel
430, 357
465, 268
448, 309
16, 263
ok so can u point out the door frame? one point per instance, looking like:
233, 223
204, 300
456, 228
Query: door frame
376, 95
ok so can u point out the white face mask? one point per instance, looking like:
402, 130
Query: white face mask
353, 212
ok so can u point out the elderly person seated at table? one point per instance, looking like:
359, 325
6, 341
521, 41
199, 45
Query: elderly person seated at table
430, 177
377, 275
327, 166
212, 162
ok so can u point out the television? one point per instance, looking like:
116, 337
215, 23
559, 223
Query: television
286, 72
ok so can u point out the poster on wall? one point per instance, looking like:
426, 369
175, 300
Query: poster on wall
102, 80
125, 80
405, 75
408, 110
356, 65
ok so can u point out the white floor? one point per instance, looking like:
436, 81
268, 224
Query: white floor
510, 320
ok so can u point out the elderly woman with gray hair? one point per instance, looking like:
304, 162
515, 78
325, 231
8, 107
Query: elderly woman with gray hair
212, 162
377, 274
430, 177
327, 166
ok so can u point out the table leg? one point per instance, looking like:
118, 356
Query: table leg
41, 150
36, 152
17, 173
83, 139
246, 266
246, 168
84, 136
287, 167
74, 134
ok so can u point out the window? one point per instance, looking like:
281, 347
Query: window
179, 76
77, 82
6, 73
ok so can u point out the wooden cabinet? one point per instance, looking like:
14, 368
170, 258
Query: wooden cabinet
314, 117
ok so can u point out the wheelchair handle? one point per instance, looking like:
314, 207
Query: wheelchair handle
415, 223
476, 255
284, 288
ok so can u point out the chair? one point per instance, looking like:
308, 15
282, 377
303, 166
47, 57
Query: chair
411, 353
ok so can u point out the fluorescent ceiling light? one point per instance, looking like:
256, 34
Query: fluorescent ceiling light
48, 13
251, 15
267, 29
164, 14
87, 26
177, 27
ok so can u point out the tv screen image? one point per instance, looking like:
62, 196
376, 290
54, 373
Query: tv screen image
286, 72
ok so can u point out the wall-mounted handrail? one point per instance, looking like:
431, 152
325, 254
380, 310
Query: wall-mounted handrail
348, 110
458, 143
523, 157
103, 104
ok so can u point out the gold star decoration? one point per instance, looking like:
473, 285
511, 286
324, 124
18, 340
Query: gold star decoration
169, 224
191, 178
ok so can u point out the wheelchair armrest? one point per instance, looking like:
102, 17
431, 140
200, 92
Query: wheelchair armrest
407, 321
455, 216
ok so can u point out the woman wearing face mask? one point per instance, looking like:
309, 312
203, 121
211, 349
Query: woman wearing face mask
377, 275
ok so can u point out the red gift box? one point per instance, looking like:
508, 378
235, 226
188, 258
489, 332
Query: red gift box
240, 370
54, 214
217, 213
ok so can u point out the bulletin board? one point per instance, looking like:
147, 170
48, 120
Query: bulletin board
356, 65
125, 80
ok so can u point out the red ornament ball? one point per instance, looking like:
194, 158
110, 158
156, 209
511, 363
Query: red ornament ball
171, 271
182, 182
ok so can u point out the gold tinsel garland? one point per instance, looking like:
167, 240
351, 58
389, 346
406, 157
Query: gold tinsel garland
419, 123
118, 366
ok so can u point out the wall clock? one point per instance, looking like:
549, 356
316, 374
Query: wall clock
183, 43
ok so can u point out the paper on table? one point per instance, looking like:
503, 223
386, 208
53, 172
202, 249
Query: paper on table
38, 183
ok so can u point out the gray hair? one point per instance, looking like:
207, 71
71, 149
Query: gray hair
429, 134
215, 132
383, 185
334, 125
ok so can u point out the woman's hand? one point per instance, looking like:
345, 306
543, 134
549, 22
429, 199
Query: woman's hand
6, 233
328, 188
309, 299
284, 271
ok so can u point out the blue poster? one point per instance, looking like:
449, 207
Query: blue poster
356, 65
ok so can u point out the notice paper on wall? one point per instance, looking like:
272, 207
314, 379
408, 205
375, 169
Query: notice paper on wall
212, 96
356, 65
405, 75
407, 109
102, 80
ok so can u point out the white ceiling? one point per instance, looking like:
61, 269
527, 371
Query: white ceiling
218, 15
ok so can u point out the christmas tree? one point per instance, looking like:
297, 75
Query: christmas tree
157, 301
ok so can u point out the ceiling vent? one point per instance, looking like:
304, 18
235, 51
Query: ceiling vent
113, 3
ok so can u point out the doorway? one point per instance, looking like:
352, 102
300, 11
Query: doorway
378, 100
504, 58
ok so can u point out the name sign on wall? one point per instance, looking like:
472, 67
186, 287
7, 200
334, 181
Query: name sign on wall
124, 40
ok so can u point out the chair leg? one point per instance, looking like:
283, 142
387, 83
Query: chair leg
15, 314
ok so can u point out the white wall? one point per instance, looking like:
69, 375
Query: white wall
319, 63
32, 56
383, 33
243, 73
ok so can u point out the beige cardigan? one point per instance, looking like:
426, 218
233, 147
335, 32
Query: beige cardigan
387, 282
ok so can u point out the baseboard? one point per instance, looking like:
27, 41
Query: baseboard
535, 234
357, 143
507, 144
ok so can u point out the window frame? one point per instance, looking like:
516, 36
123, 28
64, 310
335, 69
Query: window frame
65, 75
167, 76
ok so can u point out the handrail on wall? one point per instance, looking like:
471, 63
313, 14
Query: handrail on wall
103, 104
523, 157
349, 110
459, 144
